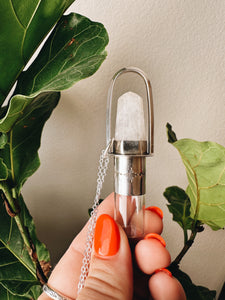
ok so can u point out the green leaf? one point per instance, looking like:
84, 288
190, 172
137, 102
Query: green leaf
17, 270
192, 291
3, 170
171, 134
73, 51
3, 140
205, 168
34, 293
3, 167
6, 295
13, 275
42, 252
20, 154
179, 206
23, 25
60, 63
14, 112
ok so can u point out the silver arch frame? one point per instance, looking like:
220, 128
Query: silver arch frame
150, 112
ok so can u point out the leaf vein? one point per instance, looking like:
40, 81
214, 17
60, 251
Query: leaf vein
19, 258
10, 263
195, 182
16, 16
25, 31
59, 52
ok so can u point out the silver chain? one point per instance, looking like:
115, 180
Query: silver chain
102, 168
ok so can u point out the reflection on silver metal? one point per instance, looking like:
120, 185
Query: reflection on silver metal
129, 172
150, 114
52, 294
138, 148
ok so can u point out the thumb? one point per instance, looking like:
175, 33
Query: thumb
110, 275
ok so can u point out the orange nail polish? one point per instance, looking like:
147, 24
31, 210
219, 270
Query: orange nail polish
165, 271
156, 210
107, 236
155, 236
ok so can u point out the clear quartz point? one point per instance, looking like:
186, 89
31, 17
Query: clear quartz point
130, 124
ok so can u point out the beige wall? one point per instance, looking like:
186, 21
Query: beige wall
180, 45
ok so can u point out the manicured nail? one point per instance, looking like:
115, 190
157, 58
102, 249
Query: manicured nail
155, 236
156, 210
107, 236
165, 271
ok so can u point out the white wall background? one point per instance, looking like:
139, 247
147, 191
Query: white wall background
180, 45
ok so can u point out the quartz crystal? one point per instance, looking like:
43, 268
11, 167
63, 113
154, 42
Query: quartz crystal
130, 124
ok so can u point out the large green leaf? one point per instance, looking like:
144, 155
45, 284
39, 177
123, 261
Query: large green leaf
3, 170
14, 276
6, 295
20, 153
205, 168
3, 140
17, 270
3, 167
192, 291
33, 293
179, 206
23, 25
14, 112
73, 51
46, 73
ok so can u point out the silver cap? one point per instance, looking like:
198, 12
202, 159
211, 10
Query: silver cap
129, 173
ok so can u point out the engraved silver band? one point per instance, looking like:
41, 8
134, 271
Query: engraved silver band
129, 174
52, 294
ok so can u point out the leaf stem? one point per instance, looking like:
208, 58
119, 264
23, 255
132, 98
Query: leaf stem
14, 211
186, 247
185, 237
11, 156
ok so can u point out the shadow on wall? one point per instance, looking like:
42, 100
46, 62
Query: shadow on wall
61, 225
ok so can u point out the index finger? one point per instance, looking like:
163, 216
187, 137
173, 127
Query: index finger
65, 276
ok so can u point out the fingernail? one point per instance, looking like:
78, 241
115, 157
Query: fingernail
165, 271
155, 236
107, 236
156, 210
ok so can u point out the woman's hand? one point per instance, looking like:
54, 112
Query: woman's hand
115, 272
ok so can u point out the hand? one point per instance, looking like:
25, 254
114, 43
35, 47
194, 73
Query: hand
113, 273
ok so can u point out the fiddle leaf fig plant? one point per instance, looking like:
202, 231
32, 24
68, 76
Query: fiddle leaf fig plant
74, 50
201, 204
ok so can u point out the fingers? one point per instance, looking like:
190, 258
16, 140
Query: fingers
163, 286
65, 276
152, 257
153, 220
110, 275
151, 254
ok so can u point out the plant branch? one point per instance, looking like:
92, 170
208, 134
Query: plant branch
186, 247
196, 227
13, 209
185, 236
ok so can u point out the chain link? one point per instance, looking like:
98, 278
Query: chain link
102, 168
